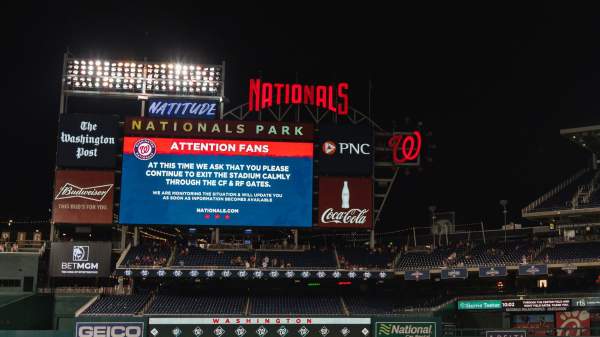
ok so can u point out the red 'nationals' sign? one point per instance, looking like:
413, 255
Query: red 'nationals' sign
264, 95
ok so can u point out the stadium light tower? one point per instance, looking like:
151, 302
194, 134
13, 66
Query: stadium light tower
503, 203
141, 80
432, 209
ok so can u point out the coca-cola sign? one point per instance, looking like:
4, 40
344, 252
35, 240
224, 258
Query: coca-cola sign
351, 216
345, 202
83, 197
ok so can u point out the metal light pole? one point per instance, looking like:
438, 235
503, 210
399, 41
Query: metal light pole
432, 209
503, 203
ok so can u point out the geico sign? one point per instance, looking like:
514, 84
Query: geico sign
330, 148
109, 330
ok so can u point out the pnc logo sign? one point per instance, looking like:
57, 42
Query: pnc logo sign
345, 148
329, 148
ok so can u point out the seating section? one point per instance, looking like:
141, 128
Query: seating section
295, 305
116, 305
501, 253
571, 252
382, 305
435, 259
370, 305
152, 254
511, 252
211, 258
313, 259
198, 305
361, 258
563, 199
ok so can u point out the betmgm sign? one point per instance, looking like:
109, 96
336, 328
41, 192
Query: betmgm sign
80, 259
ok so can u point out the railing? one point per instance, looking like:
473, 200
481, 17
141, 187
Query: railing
123, 255
24, 246
532, 331
228, 246
86, 290
554, 191
289, 247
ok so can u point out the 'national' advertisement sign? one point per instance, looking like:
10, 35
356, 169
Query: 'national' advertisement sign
345, 202
174, 181
80, 259
86, 140
405, 329
83, 197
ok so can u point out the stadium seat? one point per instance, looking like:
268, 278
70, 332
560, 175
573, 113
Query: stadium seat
295, 305
116, 305
198, 305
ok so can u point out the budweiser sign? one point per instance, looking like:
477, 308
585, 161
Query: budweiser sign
83, 197
345, 202
95, 193
355, 216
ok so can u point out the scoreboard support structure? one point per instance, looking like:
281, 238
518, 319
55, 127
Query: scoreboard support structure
139, 81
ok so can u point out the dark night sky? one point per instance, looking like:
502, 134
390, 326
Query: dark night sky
494, 84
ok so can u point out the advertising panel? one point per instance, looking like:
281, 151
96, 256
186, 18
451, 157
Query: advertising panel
480, 305
586, 302
86, 140
83, 197
417, 275
534, 325
454, 273
345, 202
506, 333
533, 269
109, 329
496, 271
260, 326
406, 329
543, 304
573, 323
172, 181
273, 274
345, 149
80, 259
180, 108
217, 129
